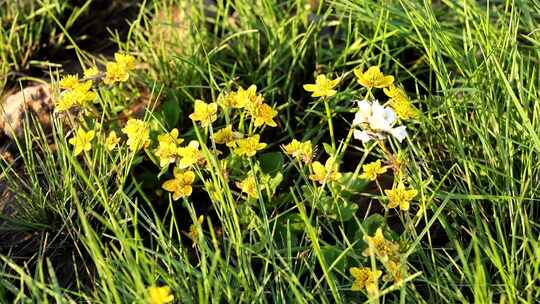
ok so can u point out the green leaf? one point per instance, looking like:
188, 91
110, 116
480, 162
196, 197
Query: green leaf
171, 111
271, 162
328, 148
347, 185
373, 222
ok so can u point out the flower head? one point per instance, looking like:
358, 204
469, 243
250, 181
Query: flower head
263, 114
323, 87
82, 141
300, 150
160, 295
91, 72
127, 61
396, 272
243, 98
190, 155
394, 92
205, 113
78, 94
180, 185
373, 78
111, 141
138, 134
380, 247
193, 231
69, 82
227, 136
400, 196
248, 186
365, 278
168, 147
326, 173
115, 72
403, 108
376, 121
372, 170
248, 146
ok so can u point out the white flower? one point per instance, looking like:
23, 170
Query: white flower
381, 119
399, 133
362, 135
376, 121
363, 114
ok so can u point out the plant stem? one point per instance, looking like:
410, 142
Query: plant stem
330, 124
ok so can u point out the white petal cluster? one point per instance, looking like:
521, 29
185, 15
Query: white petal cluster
376, 122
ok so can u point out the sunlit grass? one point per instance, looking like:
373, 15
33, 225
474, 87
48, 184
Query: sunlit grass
101, 228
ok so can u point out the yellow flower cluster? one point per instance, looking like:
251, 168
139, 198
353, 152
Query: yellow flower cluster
400, 102
365, 277
138, 134
325, 173
261, 113
78, 93
380, 247
167, 149
388, 253
118, 71
75, 94
300, 150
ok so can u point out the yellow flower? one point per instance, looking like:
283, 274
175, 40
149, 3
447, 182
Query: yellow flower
115, 72
82, 141
248, 186
190, 155
300, 150
168, 147
365, 278
83, 93
403, 108
91, 72
193, 232
69, 82
138, 134
79, 94
227, 136
372, 170
396, 272
66, 101
373, 78
127, 61
111, 141
248, 146
180, 185
205, 113
326, 173
394, 92
263, 114
323, 87
399, 196
242, 97
160, 295
380, 247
